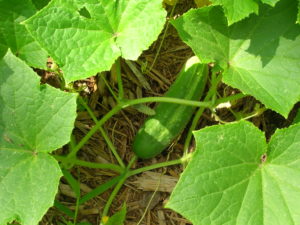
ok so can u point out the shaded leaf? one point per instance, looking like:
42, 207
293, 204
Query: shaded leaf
298, 16
14, 35
39, 4
239, 9
297, 117
259, 55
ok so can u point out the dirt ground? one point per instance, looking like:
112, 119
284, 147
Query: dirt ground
145, 194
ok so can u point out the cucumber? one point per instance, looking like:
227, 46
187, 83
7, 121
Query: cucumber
159, 130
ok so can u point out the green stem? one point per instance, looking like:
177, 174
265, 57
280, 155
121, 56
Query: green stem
117, 188
163, 37
131, 161
257, 113
61, 78
85, 139
63, 209
192, 128
194, 124
103, 133
166, 99
230, 98
108, 166
127, 103
159, 165
210, 94
76, 211
214, 86
112, 196
109, 88
119, 78
112, 147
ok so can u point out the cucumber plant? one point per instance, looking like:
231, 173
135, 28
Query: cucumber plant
233, 177
169, 120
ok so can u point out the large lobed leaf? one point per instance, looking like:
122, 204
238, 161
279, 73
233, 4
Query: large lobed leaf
14, 35
34, 120
239, 9
235, 177
260, 55
86, 37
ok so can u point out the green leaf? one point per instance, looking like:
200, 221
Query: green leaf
14, 35
97, 31
34, 120
118, 218
39, 4
259, 54
235, 177
240, 9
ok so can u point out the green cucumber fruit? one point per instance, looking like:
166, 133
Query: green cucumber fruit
159, 130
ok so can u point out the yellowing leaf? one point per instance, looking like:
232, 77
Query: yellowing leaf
170, 2
202, 3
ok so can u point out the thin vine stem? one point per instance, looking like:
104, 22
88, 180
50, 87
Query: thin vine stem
159, 165
127, 103
108, 166
103, 133
211, 93
117, 188
230, 98
119, 78
163, 37
93, 130
109, 88
200, 111
166, 99
76, 211
112, 196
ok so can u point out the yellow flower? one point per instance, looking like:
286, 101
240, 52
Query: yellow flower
105, 220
